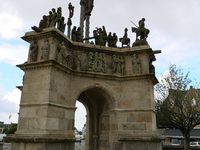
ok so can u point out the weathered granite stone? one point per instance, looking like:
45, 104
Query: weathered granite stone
120, 105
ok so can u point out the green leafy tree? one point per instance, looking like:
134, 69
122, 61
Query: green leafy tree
11, 129
178, 105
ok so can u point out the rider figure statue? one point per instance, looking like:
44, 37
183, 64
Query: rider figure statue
141, 25
125, 40
141, 33
141, 29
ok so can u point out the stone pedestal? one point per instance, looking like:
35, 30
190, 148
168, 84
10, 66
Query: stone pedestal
39, 143
115, 85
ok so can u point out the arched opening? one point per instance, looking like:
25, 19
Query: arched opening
80, 116
80, 126
98, 105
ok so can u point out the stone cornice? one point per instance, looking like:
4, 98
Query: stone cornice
48, 32
52, 63
47, 104
134, 110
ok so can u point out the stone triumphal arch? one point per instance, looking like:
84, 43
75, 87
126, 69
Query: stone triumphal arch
114, 84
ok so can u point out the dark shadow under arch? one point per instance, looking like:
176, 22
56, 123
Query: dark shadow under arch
98, 104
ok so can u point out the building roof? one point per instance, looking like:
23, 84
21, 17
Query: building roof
195, 133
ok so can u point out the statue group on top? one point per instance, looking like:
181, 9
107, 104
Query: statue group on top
112, 40
54, 19
100, 36
102, 39
76, 34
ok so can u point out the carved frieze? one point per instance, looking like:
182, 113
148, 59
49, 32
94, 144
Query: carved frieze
96, 62
73, 62
87, 58
67, 58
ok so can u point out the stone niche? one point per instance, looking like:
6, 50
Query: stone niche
115, 84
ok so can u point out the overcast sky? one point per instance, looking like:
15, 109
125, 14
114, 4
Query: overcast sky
174, 29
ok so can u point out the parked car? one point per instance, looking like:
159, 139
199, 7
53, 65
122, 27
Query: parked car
195, 143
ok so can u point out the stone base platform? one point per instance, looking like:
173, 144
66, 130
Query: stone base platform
40, 143
145, 143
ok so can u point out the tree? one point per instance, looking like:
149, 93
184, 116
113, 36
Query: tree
178, 105
10, 129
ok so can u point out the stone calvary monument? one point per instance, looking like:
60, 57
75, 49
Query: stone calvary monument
115, 84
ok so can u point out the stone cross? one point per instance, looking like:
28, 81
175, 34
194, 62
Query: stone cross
86, 9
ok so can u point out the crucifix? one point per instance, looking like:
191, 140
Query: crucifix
86, 9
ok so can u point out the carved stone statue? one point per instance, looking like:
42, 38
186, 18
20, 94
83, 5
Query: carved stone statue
100, 62
122, 64
59, 17
136, 64
141, 33
118, 64
33, 51
125, 40
45, 50
95, 35
73, 34
49, 17
96, 62
43, 24
112, 40
151, 66
91, 59
62, 24
115, 39
59, 13
69, 22
71, 10
62, 53
78, 35
100, 36
54, 18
